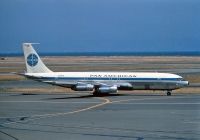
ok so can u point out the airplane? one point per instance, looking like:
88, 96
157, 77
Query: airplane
99, 82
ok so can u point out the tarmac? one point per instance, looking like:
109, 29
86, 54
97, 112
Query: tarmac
81, 116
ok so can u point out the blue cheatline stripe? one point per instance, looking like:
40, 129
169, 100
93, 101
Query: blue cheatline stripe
105, 78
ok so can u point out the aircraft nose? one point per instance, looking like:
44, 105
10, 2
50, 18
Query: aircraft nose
186, 83
183, 83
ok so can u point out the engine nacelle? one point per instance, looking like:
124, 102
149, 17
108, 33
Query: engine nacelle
84, 87
107, 89
125, 86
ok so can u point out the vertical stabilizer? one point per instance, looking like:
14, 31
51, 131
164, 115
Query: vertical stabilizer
33, 62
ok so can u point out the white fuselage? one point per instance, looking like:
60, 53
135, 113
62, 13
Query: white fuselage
123, 80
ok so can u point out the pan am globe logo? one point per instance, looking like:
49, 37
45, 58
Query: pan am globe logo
32, 60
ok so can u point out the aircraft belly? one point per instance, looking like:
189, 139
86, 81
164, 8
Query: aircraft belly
122, 85
154, 85
143, 85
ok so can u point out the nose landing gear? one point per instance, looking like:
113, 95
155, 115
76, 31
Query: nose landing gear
169, 93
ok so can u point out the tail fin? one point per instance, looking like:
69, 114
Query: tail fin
33, 62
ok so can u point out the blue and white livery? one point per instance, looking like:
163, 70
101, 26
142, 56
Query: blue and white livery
99, 82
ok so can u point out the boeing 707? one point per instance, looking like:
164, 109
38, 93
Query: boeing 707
99, 82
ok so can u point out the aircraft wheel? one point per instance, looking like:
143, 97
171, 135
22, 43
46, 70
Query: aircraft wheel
95, 93
169, 93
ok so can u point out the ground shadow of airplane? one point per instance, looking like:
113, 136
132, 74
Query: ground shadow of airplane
92, 96
86, 96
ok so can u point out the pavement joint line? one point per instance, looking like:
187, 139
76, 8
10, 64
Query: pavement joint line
107, 128
195, 122
9, 135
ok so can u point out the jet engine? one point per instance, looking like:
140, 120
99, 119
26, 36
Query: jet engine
107, 89
83, 87
125, 86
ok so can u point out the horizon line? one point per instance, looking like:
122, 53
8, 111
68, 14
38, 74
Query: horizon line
160, 53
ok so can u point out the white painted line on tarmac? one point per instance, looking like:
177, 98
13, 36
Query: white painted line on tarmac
195, 122
143, 99
49, 102
159, 103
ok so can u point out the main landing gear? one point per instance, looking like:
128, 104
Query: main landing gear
169, 93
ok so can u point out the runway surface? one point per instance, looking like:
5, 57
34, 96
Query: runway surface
83, 117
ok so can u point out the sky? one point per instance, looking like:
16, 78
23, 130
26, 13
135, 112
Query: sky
100, 25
